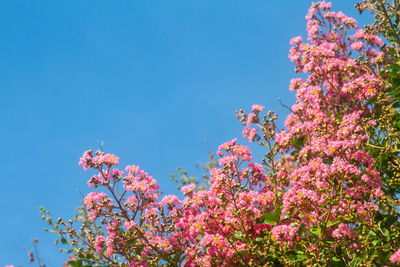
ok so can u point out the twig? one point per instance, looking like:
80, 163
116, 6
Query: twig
283, 105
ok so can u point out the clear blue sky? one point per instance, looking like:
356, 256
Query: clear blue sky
151, 79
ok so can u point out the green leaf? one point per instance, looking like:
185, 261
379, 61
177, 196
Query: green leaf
387, 233
395, 67
392, 51
238, 235
315, 231
332, 223
270, 218
298, 141
300, 256
89, 256
81, 256
130, 243
388, 221
77, 263
372, 233
259, 240
242, 252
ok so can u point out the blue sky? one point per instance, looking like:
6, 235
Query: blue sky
152, 79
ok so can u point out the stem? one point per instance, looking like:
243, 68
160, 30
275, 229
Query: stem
36, 252
227, 239
141, 234
390, 22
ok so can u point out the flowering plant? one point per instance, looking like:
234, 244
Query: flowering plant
322, 195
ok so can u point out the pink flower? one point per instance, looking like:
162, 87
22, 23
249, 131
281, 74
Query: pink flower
226, 146
130, 224
295, 83
296, 40
284, 233
327, 133
395, 258
108, 159
343, 231
170, 200
86, 160
360, 34
99, 243
250, 119
188, 188
249, 133
227, 160
131, 202
257, 108
325, 5
112, 229
95, 202
357, 45
139, 181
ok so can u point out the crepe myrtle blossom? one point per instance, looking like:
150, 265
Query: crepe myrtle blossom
249, 133
395, 258
331, 162
99, 243
257, 108
188, 188
88, 160
315, 193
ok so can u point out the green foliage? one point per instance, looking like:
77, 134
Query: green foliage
384, 142
79, 255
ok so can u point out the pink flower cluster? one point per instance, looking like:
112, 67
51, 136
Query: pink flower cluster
395, 258
323, 187
88, 161
343, 231
201, 222
329, 163
284, 234
333, 177
141, 183
97, 204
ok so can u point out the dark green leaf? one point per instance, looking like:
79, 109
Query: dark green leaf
270, 218
77, 263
